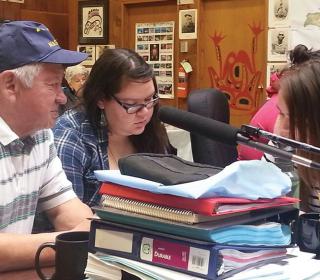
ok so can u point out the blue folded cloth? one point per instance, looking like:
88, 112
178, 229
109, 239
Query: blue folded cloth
267, 234
250, 179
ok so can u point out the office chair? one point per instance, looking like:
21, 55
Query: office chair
210, 103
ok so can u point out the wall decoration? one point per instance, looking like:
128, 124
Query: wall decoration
100, 49
309, 38
279, 13
273, 67
154, 42
93, 22
236, 73
91, 51
278, 44
188, 24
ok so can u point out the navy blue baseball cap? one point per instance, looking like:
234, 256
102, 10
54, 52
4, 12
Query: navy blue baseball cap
25, 42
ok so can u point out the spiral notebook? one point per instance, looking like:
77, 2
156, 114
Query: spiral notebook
213, 206
159, 211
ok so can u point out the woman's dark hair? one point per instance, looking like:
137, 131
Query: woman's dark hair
301, 54
108, 75
300, 88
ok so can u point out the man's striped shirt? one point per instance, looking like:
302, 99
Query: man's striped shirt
31, 176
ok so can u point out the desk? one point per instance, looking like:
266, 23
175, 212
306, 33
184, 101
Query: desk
180, 139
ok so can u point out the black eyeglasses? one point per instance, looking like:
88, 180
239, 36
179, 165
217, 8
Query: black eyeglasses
134, 108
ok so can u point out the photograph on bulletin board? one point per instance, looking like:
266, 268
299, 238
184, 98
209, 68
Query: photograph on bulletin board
101, 48
154, 42
91, 51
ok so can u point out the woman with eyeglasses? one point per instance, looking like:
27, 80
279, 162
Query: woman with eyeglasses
117, 117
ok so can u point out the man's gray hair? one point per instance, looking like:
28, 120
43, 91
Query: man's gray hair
27, 73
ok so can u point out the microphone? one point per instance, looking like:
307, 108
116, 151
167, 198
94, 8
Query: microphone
224, 133
191, 122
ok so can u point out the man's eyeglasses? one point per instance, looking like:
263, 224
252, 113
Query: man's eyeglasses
134, 108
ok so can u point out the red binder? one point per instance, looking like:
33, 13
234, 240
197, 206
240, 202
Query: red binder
205, 206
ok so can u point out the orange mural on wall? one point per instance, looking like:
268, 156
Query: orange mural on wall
237, 75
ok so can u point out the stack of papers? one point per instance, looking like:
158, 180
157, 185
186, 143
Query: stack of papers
298, 266
233, 260
107, 267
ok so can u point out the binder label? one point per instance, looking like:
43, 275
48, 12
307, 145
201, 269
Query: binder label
114, 240
174, 255
199, 260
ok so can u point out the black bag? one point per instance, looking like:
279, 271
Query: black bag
165, 169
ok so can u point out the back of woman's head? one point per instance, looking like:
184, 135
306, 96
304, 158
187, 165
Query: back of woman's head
299, 54
108, 75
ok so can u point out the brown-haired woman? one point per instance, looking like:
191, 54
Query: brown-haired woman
117, 117
299, 103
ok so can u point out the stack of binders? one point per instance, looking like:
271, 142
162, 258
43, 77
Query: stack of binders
185, 234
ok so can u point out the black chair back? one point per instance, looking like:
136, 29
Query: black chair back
210, 103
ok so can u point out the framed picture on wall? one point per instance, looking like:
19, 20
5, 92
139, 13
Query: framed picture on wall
91, 51
93, 22
188, 24
278, 42
278, 14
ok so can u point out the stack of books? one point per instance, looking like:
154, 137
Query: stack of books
185, 234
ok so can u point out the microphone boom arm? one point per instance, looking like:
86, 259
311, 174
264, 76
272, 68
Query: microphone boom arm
257, 132
277, 152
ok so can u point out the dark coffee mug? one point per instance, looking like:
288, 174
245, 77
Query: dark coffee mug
71, 256
308, 233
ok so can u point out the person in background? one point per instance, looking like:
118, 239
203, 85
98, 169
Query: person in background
75, 77
118, 117
266, 116
31, 71
298, 103
265, 119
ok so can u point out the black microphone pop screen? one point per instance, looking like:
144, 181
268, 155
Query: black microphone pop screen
215, 130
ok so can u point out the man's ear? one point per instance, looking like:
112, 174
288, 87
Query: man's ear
8, 85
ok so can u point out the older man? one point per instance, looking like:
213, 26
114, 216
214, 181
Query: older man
31, 71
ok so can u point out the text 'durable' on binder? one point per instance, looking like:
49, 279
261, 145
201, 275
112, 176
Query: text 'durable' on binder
189, 256
204, 206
